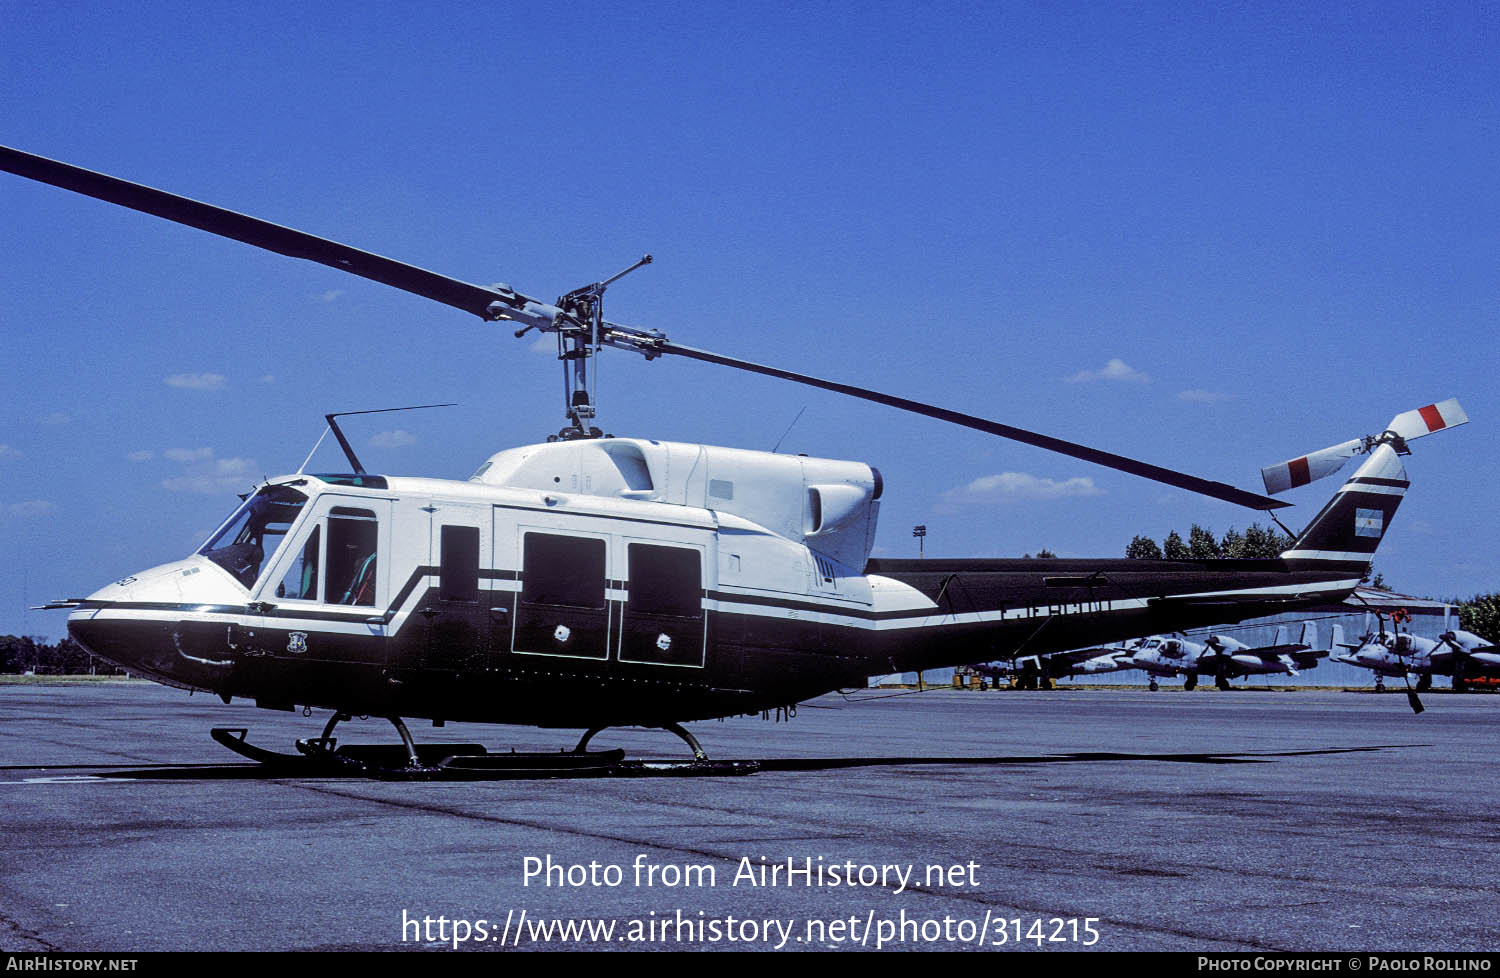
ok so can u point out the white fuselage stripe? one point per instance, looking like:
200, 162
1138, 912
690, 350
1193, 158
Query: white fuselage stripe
1328, 555
1377, 490
824, 614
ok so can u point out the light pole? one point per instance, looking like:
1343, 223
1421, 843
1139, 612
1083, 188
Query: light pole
920, 532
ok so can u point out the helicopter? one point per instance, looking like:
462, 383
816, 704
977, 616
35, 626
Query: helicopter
589, 582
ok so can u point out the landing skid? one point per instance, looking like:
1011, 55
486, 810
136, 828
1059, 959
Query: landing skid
409, 761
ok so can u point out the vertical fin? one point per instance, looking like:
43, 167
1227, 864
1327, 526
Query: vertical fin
1350, 526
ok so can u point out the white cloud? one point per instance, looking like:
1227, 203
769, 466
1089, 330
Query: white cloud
1420, 528
141, 456
225, 475
234, 466
7, 453
197, 382
189, 454
1204, 397
268, 379
1009, 487
56, 418
544, 343
329, 296
31, 507
1115, 369
393, 439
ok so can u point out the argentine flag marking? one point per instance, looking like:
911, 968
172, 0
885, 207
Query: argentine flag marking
1369, 523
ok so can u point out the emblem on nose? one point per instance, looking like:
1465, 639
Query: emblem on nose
296, 642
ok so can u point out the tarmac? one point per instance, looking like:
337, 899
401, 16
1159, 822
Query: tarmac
1003, 820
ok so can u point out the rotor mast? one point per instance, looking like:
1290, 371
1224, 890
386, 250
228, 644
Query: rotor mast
581, 332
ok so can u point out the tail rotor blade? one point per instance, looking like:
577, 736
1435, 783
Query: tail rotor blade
1403, 428
1310, 468
1426, 420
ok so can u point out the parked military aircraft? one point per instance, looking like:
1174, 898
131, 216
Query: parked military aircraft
1227, 658
1039, 671
1457, 653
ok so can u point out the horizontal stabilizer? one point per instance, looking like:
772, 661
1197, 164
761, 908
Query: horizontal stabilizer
1282, 643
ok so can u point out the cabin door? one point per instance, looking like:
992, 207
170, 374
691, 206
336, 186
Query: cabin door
562, 608
663, 621
457, 603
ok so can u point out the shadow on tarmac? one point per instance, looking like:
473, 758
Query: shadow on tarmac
638, 768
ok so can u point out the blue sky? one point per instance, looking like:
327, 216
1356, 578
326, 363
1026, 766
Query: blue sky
1209, 236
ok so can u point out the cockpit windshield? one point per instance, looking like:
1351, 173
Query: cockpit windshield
250, 539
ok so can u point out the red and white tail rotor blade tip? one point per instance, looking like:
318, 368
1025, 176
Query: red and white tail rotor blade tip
1320, 464
1426, 420
1310, 468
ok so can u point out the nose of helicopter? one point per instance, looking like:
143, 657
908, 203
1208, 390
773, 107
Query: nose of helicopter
166, 623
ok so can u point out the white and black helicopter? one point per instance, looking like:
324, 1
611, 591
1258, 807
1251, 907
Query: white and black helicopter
590, 582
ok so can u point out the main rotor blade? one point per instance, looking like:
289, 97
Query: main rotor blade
1192, 483
476, 299
492, 303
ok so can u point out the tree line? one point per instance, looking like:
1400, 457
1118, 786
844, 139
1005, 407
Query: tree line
1480, 615
1256, 541
20, 654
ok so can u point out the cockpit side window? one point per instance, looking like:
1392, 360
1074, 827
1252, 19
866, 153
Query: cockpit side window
352, 535
249, 540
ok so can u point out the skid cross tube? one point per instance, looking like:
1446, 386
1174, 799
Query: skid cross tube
699, 754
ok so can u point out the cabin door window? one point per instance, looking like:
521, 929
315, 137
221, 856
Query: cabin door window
353, 536
663, 620
562, 608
